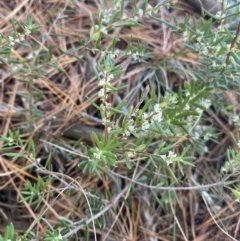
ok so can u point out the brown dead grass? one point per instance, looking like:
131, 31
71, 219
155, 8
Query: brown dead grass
64, 105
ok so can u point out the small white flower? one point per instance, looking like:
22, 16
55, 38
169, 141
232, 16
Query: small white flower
185, 36
140, 12
135, 55
199, 39
168, 161
223, 169
145, 115
149, 8
221, 28
97, 154
219, 15
214, 64
238, 144
130, 154
168, 5
124, 16
105, 19
22, 37
163, 157
204, 52
59, 237
223, 15
135, 18
171, 154
10, 38
104, 121
157, 107
27, 31
187, 107
206, 103
145, 125
112, 55
235, 118
127, 133
196, 135
38, 160
232, 77
102, 82
158, 117
101, 93
206, 149
110, 77
199, 111
131, 128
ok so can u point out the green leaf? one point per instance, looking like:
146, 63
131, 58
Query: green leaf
94, 104
31, 148
128, 161
202, 94
86, 233
96, 140
163, 21
128, 23
15, 155
184, 103
187, 113
236, 57
118, 131
112, 145
24, 45
180, 95
189, 158
172, 129
140, 147
113, 17
158, 128
145, 107
5, 50
178, 123
153, 162
114, 110
165, 149
185, 150
236, 194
